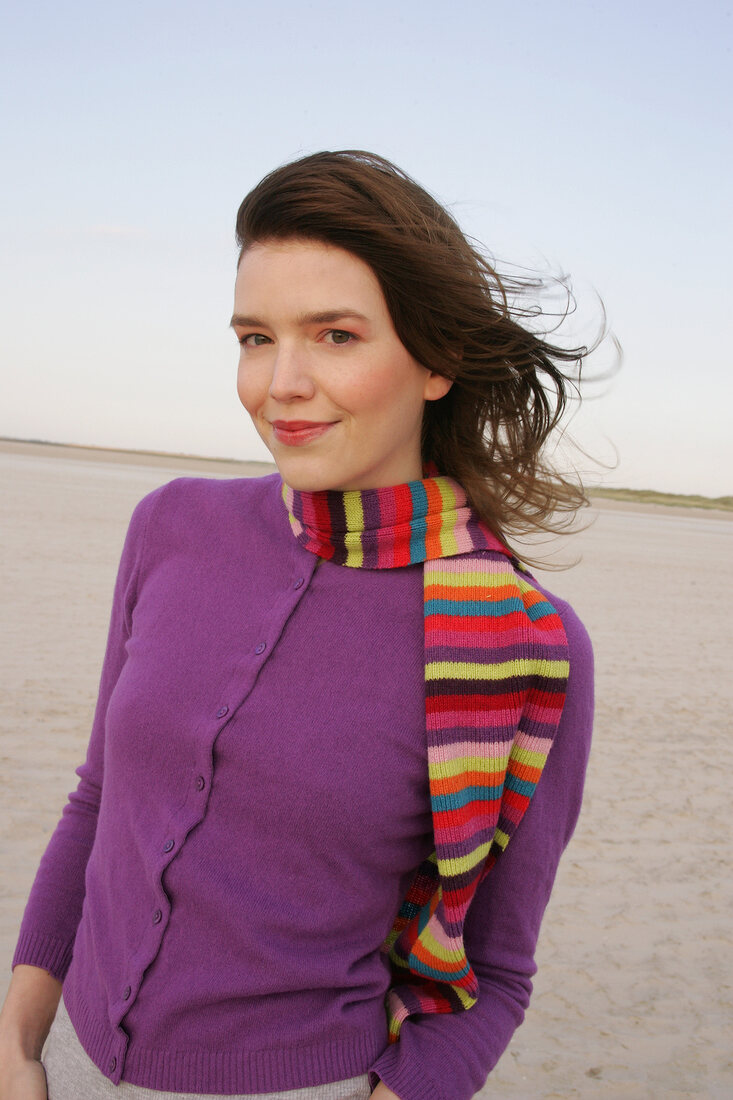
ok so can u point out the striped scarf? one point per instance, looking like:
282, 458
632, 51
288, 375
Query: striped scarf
496, 667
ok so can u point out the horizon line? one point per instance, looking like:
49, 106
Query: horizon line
723, 503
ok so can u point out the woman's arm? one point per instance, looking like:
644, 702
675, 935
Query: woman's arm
28, 1012
45, 943
25, 1019
54, 907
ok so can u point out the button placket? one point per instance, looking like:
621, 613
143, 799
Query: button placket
200, 781
281, 612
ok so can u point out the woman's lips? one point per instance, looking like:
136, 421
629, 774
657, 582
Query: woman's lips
298, 432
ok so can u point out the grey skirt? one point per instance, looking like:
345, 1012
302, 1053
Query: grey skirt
71, 1075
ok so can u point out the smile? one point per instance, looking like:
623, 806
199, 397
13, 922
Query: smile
296, 433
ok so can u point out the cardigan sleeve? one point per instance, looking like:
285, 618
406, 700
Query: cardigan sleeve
54, 906
448, 1057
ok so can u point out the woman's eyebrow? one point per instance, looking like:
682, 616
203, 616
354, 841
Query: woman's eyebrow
328, 316
325, 317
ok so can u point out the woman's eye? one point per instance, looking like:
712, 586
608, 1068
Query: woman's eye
338, 336
254, 339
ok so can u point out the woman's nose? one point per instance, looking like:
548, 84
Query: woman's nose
291, 376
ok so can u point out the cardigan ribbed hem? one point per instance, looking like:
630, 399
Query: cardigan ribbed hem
225, 1071
406, 1080
47, 952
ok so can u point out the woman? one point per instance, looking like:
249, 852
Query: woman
257, 861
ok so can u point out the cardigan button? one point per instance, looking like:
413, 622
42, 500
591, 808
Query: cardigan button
112, 1065
157, 916
126, 994
200, 782
169, 845
261, 647
222, 711
299, 583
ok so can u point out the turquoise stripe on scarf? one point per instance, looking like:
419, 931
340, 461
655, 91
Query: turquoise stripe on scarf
419, 526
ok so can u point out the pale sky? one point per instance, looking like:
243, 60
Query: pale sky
593, 139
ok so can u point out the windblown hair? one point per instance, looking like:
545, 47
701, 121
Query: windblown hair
455, 315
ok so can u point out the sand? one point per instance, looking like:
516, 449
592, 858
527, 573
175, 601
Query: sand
633, 993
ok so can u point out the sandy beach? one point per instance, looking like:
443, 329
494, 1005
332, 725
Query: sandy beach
633, 996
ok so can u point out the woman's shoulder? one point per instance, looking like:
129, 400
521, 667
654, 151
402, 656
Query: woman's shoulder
579, 704
569, 617
195, 510
203, 497
578, 640
214, 491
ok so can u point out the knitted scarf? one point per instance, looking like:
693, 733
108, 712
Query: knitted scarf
496, 667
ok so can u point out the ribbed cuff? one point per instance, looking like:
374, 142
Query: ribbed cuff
47, 952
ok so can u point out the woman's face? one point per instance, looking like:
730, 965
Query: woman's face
332, 391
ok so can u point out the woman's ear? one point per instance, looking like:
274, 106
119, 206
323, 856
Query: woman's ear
436, 386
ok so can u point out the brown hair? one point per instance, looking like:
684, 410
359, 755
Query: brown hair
455, 315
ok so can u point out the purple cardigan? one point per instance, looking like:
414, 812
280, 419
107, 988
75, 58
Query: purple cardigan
253, 804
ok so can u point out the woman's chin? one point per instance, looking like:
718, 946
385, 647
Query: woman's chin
305, 476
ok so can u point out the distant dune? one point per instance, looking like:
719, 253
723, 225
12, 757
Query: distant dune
678, 500
250, 468
225, 467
